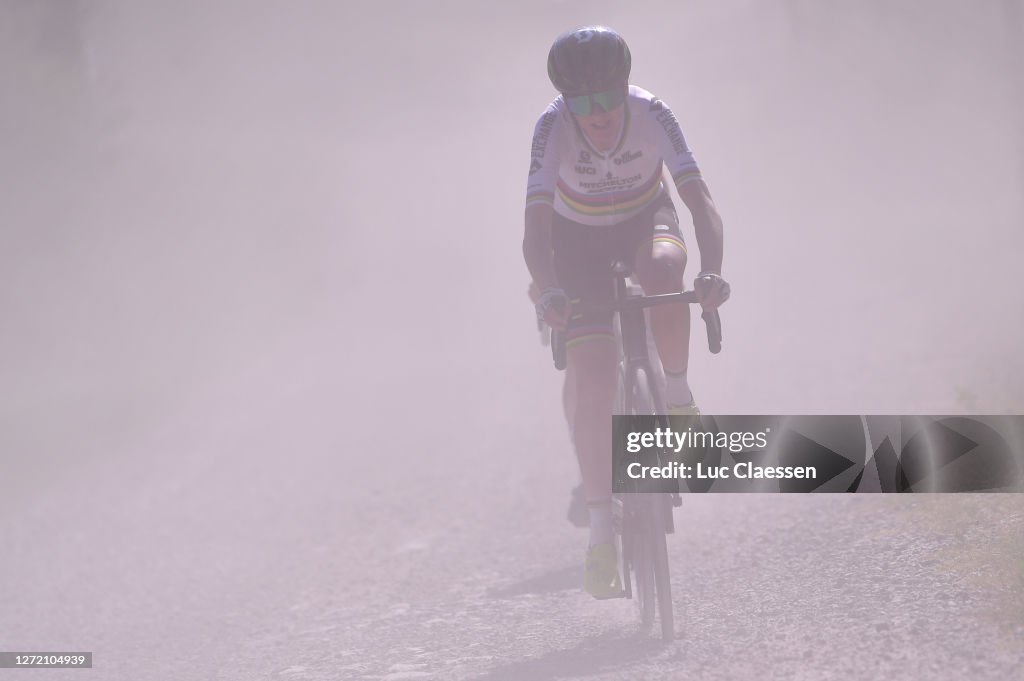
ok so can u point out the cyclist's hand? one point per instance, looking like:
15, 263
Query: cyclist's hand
711, 289
553, 308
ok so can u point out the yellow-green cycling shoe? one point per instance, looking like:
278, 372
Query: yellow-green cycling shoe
684, 416
690, 409
601, 579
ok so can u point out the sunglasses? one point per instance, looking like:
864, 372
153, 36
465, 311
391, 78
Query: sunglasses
583, 105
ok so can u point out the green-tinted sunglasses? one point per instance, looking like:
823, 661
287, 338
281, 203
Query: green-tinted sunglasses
583, 105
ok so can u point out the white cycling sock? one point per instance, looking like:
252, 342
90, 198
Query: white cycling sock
677, 389
601, 531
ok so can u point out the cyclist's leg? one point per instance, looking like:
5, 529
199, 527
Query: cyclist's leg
659, 260
594, 357
577, 513
569, 401
582, 265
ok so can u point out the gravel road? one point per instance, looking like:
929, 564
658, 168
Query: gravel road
244, 556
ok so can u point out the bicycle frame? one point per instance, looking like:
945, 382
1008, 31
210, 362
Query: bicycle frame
644, 519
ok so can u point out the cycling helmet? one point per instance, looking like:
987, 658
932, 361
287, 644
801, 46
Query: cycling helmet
588, 60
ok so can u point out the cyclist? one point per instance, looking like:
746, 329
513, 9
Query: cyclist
597, 192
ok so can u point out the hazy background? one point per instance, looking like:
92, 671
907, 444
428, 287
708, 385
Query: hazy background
205, 202
276, 246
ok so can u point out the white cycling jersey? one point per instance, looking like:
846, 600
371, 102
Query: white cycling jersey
594, 188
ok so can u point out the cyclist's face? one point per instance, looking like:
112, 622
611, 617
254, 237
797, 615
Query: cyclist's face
602, 127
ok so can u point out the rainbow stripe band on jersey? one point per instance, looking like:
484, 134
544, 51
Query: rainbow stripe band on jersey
627, 201
688, 175
540, 198
668, 239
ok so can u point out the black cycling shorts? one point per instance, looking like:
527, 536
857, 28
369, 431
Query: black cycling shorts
584, 255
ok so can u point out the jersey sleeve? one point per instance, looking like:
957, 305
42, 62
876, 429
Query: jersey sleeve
540, 183
678, 157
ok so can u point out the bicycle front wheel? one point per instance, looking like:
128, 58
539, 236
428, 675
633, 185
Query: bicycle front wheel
660, 505
650, 549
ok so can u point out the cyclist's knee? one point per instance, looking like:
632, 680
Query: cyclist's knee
660, 268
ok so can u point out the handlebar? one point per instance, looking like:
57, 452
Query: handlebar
712, 320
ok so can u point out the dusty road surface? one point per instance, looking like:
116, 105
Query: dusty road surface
252, 558
272, 405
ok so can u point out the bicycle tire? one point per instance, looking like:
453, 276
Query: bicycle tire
662, 576
643, 571
650, 543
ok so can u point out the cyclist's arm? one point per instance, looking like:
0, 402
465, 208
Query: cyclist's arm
707, 223
540, 188
682, 167
537, 248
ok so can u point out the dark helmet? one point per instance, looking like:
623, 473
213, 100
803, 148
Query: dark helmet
588, 60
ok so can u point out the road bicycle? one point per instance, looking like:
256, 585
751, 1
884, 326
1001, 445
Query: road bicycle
642, 520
